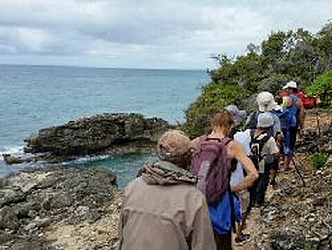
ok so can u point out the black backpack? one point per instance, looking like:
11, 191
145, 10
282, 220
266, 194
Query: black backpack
256, 146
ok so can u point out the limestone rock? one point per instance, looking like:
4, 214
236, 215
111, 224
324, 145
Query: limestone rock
97, 134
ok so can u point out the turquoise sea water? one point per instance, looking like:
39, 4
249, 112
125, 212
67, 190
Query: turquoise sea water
36, 97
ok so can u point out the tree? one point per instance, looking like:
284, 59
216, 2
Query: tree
213, 99
285, 55
322, 87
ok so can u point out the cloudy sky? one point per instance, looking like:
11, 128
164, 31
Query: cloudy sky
145, 33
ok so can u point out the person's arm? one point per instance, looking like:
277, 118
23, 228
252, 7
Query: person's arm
237, 152
273, 148
300, 116
202, 234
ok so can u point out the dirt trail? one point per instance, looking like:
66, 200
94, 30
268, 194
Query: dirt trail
315, 120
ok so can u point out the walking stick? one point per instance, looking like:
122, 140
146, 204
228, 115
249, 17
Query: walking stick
298, 171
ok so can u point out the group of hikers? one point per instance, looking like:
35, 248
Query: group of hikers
199, 192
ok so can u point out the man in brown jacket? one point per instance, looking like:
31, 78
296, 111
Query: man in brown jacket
162, 209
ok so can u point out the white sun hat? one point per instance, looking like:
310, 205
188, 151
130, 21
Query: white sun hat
265, 101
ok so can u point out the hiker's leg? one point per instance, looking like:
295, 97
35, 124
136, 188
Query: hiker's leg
223, 241
292, 141
244, 197
252, 195
262, 186
274, 171
241, 225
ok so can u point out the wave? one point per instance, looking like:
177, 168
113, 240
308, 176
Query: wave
14, 150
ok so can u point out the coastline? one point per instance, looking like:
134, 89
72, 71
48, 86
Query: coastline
71, 209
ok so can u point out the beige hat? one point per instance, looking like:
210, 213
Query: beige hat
265, 101
174, 142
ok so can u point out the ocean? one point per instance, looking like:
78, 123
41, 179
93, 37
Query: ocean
36, 97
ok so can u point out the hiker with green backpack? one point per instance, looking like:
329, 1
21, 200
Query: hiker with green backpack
211, 166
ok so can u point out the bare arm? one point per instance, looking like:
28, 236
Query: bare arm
237, 152
300, 114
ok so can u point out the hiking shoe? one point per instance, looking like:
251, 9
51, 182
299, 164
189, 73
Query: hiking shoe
243, 239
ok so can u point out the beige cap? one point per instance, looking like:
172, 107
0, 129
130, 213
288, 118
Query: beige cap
175, 142
265, 101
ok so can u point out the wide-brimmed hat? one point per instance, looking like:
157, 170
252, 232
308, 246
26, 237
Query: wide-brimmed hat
265, 101
174, 142
265, 120
238, 115
291, 84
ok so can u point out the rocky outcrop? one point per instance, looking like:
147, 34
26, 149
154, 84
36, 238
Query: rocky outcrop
118, 133
33, 203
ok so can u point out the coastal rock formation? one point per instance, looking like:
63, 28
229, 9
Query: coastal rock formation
114, 133
39, 205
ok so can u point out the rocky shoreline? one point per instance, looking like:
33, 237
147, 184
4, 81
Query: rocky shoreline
48, 208
70, 209
104, 134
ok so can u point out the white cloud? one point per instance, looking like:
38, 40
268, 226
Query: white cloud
164, 33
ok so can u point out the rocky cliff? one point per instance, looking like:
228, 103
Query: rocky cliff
96, 134
109, 133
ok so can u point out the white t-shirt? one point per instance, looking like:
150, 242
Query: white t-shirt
244, 140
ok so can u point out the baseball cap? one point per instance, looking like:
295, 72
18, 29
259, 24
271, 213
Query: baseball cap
265, 120
290, 84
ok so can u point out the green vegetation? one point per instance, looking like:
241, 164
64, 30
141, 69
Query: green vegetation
322, 87
318, 159
309, 247
293, 55
213, 98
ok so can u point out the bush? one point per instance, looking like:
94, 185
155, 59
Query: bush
214, 97
322, 87
309, 247
318, 159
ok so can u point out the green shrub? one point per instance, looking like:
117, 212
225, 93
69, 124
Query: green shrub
318, 159
322, 87
214, 97
309, 247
